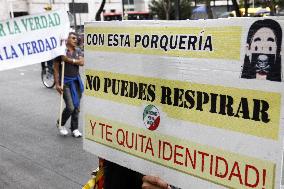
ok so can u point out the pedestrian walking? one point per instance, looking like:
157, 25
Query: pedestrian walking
72, 88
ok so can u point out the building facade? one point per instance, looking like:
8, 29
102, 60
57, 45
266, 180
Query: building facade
25, 7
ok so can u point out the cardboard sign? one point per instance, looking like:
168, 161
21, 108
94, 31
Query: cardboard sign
197, 103
33, 39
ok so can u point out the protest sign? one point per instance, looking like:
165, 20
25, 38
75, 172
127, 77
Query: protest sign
32, 39
198, 103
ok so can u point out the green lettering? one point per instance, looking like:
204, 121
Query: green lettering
56, 19
16, 27
43, 21
38, 26
24, 22
31, 23
51, 23
2, 32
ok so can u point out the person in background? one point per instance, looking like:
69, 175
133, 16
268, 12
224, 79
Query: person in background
73, 86
117, 177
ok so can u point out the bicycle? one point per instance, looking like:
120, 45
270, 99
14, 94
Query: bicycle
47, 77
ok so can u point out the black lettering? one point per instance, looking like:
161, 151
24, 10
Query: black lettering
115, 40
178, 94
154, 41
243, 108
182, 41
133, 91
226, 103
145, 41
127, 41
124, 85
109, 39
114, 88
151, 93
107, 84
208, 44
173, 43
89, 82
191, 42
189, 98
257, 111
166, 95
213, 98
200, 43
96, 83
142, 91
137, 40
202, 98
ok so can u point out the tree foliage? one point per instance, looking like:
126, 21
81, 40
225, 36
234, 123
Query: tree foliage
166, 9
272, 5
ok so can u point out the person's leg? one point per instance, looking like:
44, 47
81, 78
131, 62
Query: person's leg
43, 67
50, 66
75, 114
69, 109
74, 120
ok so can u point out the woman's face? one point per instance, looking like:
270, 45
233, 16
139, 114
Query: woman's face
263, 42
263, 50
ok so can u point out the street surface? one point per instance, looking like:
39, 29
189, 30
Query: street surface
32, 154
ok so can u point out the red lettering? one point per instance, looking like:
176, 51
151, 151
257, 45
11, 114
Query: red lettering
103, 125
218, 172
93, 126
149, 146
128, 140
238, 174
192, 160
142, 141
211, 164
108, 133
118, 140
136, 142
203, 154
177, 154
160, 144
170, 149
263, 178
247, 179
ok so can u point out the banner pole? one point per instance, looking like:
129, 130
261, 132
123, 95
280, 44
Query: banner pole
61, 96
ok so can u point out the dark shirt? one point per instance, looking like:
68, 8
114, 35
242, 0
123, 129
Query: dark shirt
118, 177
70, 69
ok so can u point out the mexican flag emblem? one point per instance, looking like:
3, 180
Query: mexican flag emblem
151, 117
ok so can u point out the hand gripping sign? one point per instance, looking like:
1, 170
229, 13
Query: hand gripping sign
197, 103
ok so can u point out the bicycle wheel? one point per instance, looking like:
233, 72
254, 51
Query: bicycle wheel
47, 77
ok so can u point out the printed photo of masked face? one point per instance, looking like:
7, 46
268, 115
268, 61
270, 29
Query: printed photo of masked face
262, 59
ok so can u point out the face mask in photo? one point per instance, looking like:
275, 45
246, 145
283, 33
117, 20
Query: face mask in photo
263, 62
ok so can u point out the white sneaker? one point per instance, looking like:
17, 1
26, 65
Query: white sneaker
76, 133
62, 130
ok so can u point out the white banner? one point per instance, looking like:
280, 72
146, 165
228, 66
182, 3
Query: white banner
32, 39
198, 103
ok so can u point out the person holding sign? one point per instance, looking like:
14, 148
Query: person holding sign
152, 182
73, 87
116, 177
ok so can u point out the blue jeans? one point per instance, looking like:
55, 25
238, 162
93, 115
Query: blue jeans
70, 110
